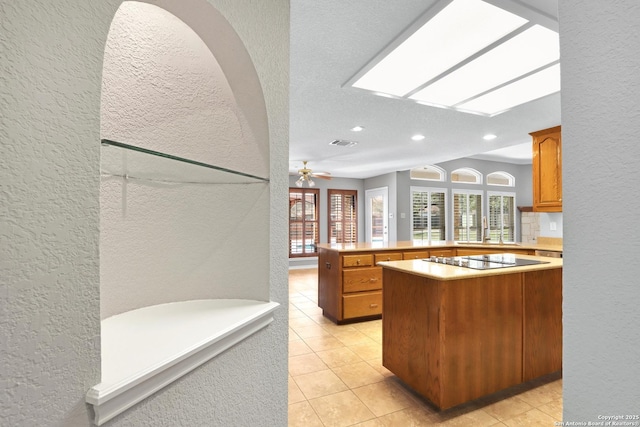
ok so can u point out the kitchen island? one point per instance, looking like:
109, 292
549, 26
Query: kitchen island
454, 333
350, 281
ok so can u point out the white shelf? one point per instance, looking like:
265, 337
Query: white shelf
146, 349
132, 162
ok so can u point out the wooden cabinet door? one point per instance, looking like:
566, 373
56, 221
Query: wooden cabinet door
542, 328
547, 170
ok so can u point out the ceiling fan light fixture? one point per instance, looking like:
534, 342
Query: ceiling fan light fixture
357, 129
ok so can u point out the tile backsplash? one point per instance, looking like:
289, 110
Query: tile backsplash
537, 224
530, 226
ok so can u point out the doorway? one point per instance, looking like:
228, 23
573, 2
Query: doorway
377, 215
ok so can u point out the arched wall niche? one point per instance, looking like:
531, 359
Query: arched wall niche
177, 79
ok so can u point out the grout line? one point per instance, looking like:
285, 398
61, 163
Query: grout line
370, 330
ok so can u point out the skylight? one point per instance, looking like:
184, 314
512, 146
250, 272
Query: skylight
472, 56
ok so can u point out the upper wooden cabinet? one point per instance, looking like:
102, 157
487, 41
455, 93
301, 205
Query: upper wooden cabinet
547, 170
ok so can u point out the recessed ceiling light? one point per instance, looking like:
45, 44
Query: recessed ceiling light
417, 137
489, 137
357, 129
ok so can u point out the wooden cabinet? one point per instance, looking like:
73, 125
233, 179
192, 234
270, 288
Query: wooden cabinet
362, 305
442, 252
542, 328
453, 341
547, 170
350, 283
361, 279
388, 256
415, 255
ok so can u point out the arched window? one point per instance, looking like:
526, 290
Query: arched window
466, 176
428, 173
501, 178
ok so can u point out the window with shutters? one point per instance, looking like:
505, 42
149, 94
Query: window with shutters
467, 216
428, 214
343, 216
304, 224
502, 216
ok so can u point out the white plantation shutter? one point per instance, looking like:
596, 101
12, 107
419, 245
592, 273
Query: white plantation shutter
428, 214
303, 222
343, 216
502, 216
467, 216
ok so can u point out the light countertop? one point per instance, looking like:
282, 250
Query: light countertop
362, 246
449, 272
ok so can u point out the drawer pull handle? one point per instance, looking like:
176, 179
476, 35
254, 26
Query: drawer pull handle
373, 305
328, 265
358, 262
373, 279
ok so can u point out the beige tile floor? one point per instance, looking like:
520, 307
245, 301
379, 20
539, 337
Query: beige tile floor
336, 378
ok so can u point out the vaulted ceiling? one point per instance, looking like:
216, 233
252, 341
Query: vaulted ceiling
332, 40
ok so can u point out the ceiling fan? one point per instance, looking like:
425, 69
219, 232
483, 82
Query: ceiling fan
306, 174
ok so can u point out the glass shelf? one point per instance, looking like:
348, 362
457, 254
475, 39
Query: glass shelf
131, 162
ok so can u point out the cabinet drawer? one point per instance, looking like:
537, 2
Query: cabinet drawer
388, 256
360, 305
357, 260
362, 279
442, 252
415, 255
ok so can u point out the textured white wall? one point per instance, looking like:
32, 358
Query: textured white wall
49, 177
50, 71
599, 43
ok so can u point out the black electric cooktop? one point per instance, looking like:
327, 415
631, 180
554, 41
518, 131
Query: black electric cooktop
485, 262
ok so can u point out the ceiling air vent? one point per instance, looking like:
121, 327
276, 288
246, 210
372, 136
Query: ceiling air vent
343, 143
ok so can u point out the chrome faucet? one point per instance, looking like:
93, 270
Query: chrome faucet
486, 238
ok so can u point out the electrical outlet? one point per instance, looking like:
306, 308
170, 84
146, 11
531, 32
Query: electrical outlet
553, 226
